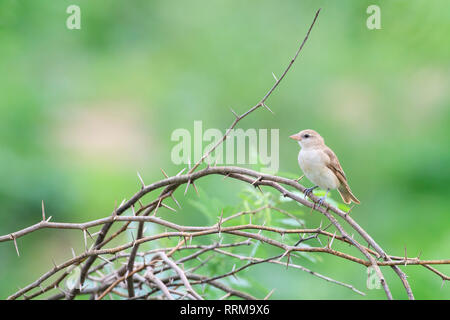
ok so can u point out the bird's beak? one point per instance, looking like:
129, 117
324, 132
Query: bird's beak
296, 136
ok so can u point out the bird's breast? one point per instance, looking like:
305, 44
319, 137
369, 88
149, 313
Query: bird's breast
314, 165
311, 160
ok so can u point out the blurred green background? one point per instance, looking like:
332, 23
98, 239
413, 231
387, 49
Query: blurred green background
82, 110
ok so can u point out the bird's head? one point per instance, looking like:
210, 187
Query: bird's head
308, 138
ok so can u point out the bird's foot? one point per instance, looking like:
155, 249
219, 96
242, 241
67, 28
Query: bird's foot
321, 200
308, 191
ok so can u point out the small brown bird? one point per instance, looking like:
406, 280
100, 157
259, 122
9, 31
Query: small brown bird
321, 166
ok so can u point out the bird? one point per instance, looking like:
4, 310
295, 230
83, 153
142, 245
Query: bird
321, 166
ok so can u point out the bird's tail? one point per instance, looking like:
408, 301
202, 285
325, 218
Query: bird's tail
346, 194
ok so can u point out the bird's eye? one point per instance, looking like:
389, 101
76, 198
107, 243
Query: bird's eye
306, 135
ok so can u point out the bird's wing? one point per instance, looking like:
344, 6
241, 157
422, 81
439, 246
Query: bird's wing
334, 165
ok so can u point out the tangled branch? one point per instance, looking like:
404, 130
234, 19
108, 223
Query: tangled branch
158, 264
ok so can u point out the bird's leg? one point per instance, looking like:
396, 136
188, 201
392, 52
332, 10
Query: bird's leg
309, 190
322, 199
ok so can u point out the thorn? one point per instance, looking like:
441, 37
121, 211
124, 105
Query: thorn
106, 260
269, 294
96, 233
288, 259
260, 189
187, 186
85, 239
273, 74
256, 180
180, 172
168, 207
15, 244
225, 296
285, 253
195, 188
164, 173
157, 206
302, 238
115, 209
265, 106
235, 114
320, 242
175, 200
226, 176
234, 274
132, 210
54, 263
89, 234
219, 225
48, 219
132, 238
142, 181
418, 256
332, 239
208, 160
43, 211
300, 178
349, 210
406, 257
73, 253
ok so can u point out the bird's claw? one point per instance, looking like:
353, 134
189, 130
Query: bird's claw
321, 200
308, 191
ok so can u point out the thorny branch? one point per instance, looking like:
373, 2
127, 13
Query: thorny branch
128, 271
192, 232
